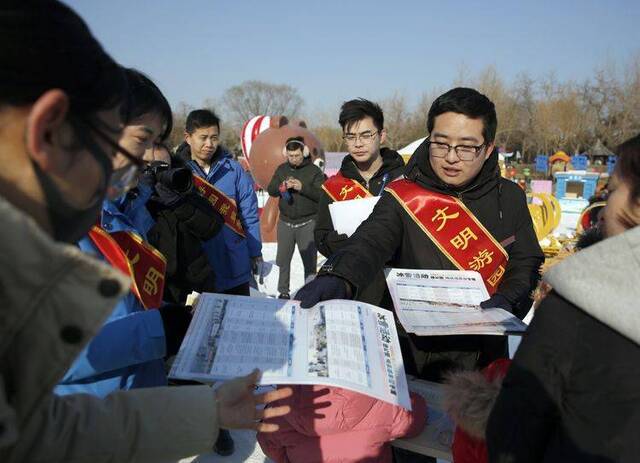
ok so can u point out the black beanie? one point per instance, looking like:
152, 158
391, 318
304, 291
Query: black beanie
46, 45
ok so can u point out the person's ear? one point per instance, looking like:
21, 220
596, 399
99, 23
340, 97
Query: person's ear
383, 136
43, 132
187, 138
488, 150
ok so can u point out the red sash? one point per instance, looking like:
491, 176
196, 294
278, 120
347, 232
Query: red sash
221, 203
146, 267
454, 229
341, 188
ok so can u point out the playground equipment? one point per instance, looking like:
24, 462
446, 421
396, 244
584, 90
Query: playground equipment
573, 190
546, 214
576, 184
590, 216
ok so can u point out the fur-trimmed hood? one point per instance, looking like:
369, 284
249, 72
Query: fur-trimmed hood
604, 281
469, 396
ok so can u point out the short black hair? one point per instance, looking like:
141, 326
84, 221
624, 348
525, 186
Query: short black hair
146, 98
46, 45
469, 102
353, 111
294, 144
200, 118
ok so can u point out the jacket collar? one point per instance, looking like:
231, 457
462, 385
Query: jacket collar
113, 218
390, 161
604, 281
305, 162
419, 170
220, 157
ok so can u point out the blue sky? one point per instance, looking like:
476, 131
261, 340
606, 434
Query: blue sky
336, 50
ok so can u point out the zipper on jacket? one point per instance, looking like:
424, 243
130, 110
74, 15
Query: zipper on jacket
460, 193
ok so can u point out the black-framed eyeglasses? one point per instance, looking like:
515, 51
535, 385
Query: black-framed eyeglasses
365, 137
123, 178
464, 152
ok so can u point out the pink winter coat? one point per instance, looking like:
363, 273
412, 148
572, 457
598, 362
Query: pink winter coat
329, 424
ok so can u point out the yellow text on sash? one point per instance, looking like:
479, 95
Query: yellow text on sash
453, 228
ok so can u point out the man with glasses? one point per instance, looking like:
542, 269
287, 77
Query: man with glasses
297, 184
451, 211
364, 172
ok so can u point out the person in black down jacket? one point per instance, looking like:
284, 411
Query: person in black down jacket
183, 221
455, 168
368, 167
297, 183
572, 393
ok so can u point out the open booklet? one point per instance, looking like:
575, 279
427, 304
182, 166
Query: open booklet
339, 343
443, 302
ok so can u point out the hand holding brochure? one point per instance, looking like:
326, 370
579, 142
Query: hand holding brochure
339, 343
443, 302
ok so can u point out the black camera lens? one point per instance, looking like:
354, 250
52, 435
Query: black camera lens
179, 180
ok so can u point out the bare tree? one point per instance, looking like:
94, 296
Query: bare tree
331, 138
254, 97
396, 117
179, 121
524, 96
325, 127
535, 115
404, 124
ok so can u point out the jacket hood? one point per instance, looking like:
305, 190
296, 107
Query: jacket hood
419, 170
343, 410
390, 160
468, 396
604, 281
183, 151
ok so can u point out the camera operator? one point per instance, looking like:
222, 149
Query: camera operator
183, 220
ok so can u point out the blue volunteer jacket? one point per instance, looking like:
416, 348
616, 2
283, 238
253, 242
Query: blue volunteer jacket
229, 253
128, 351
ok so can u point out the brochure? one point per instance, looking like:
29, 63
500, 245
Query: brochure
444, 302
339, 343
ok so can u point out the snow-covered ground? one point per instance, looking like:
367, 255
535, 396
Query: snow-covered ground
247, 450
270, 278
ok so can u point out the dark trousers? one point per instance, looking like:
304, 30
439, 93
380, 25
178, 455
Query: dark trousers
288, 236
240, 290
